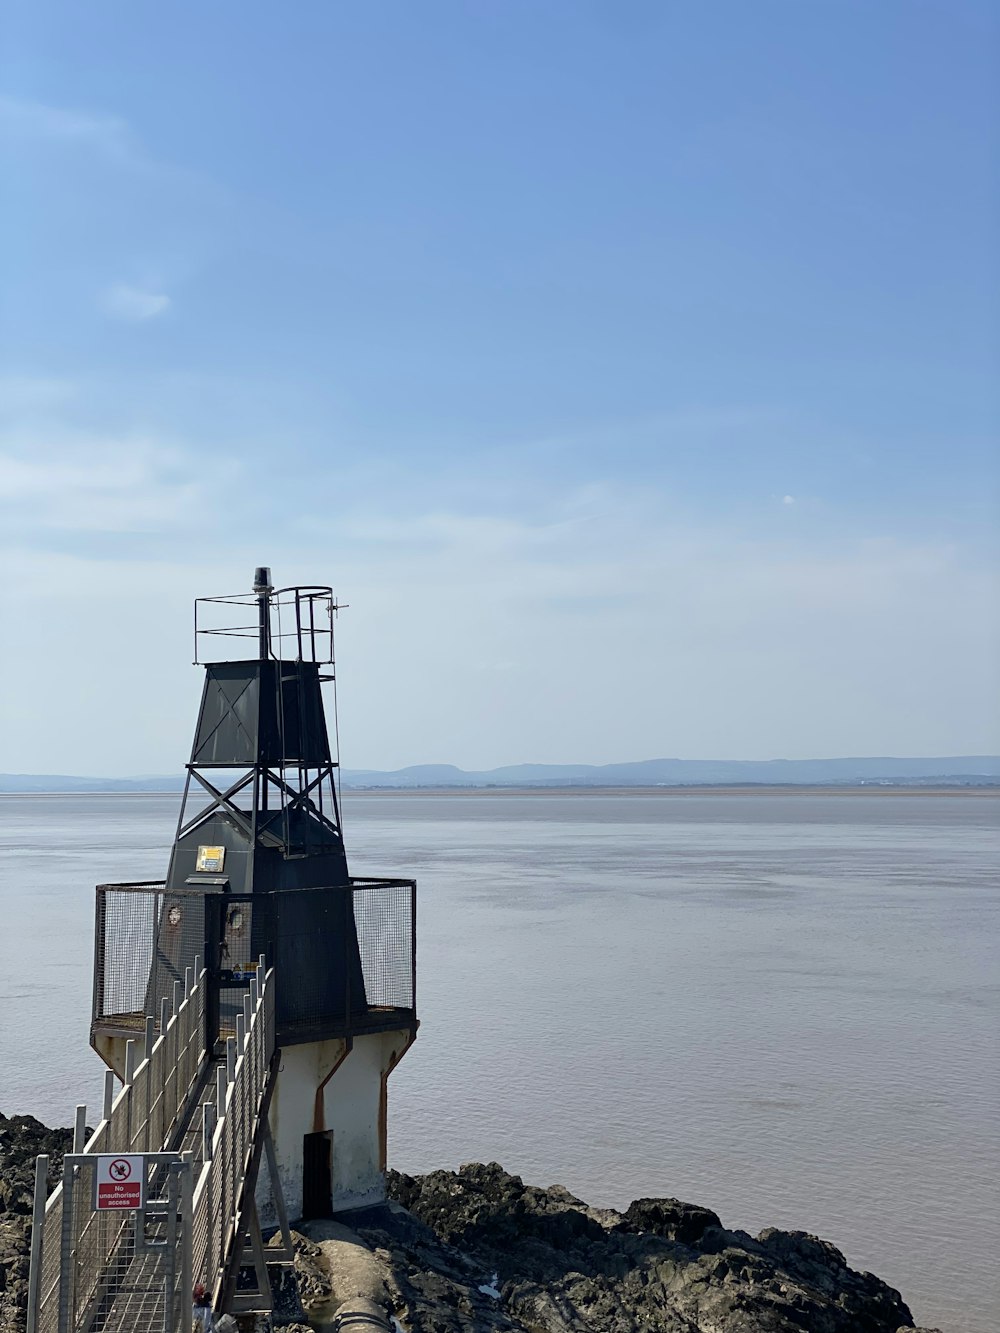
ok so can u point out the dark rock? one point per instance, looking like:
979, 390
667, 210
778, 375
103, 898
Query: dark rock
670, 1219
22, 1139
663, 1266
313, 1279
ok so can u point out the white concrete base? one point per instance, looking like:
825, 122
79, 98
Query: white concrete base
112, 1051
338, 1088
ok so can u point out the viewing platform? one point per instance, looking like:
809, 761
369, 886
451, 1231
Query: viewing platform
147, 935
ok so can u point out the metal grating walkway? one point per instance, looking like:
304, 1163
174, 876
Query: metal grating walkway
196, 1120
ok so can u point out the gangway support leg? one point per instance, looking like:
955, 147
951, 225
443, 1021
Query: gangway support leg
247, 1231
259, 1259
287, 1252
246, 1302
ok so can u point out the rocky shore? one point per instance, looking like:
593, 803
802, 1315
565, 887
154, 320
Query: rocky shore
477, 1250
22, 1139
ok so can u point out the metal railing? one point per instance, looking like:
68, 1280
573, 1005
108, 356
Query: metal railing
346, 953
77, 1252
120, 1271
229, 1132
304, 634
200, 1127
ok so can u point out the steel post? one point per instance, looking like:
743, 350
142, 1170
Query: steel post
80, 1129
187, 1232
129, 1076
109, 1092
37, 1232
129, 1061
170, 1255
207, 1130
65, 1316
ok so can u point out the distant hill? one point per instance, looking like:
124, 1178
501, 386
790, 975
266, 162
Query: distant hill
961, 770
691, 772
60, 782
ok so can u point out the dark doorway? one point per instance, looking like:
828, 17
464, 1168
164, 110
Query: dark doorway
317, 1186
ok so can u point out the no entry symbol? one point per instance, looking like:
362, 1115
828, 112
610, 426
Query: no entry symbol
118, 1181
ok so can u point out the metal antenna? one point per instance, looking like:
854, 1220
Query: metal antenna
263, 589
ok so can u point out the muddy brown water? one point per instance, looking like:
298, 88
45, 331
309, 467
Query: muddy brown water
781, 1005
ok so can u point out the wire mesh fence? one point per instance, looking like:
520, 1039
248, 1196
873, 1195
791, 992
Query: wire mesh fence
180, 1115
106, 1270
346, 954
121, 1269
230, 1125
126, 920
145, 941
112, 1269
385, 916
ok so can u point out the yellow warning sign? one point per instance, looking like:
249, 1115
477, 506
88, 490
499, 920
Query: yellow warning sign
211, 858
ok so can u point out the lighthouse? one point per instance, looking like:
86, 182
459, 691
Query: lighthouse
258, 871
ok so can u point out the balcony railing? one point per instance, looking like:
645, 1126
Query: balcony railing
346, 955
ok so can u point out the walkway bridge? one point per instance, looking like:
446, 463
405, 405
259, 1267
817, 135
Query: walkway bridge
191, 1121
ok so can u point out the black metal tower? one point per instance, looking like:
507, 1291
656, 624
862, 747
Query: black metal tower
258, 865
258, 869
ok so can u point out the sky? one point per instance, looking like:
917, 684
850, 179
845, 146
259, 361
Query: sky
629, 367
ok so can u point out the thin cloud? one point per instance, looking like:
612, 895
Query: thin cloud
103, 138
28, 121
788, 500
134, 305
80, 484
25, 395
695, 640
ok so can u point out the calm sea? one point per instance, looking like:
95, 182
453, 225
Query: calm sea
784, 1006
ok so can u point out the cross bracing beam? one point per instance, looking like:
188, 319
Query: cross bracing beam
223, 800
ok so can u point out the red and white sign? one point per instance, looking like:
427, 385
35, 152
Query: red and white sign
120, 1179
